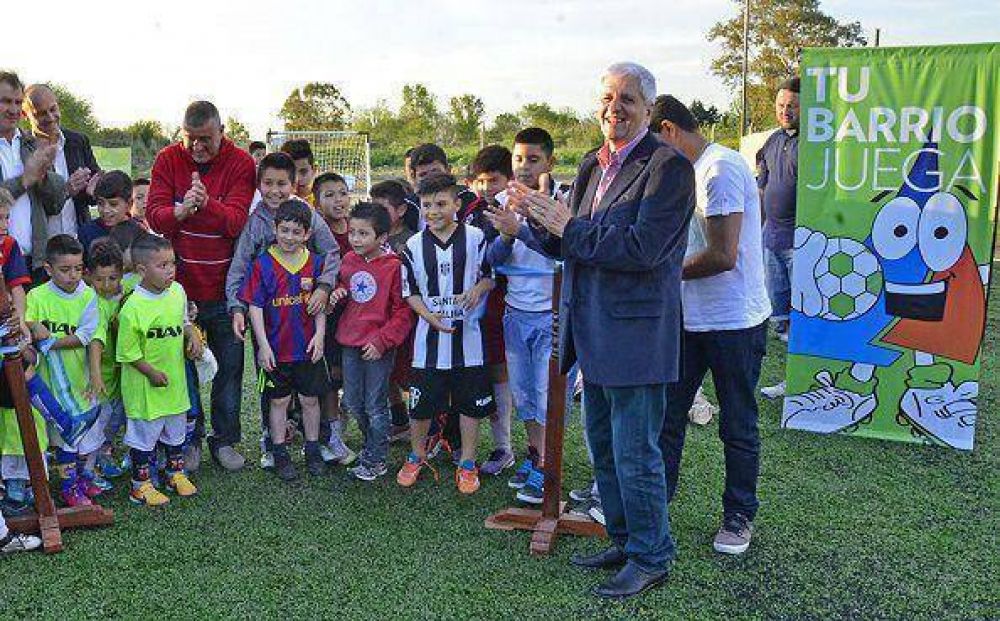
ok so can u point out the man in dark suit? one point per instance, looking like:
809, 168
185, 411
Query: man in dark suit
622, 238
75, 160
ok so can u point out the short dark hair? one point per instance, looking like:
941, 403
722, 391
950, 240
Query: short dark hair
294, 210
669, 108
391, 191
375, 214
105, 252
113, 184
427, 153
12, 80
199, 113
62, 245
790, 84
276, 161
145, 245
140, 181
492, 158
299, 149
438, 183
536, 136
255, 145
327, 177
125, 234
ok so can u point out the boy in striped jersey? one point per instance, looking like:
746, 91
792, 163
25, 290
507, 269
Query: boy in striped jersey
445, 280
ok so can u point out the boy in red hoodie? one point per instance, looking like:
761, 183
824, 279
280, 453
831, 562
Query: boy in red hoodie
376, 320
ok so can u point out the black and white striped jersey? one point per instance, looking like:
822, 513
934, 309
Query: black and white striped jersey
440, 272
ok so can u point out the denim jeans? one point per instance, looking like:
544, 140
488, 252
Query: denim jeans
227, 387
779, 282
366, 397
528, 340
623, 426
734, 358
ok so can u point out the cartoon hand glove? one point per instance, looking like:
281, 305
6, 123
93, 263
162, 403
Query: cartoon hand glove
809, 247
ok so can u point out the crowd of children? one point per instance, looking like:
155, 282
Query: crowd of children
428, 305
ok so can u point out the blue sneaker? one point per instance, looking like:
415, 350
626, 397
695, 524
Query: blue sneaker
99, 481
19, 492
521, 476
534, 489
108, 468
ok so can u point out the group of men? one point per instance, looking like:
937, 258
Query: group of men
664, 280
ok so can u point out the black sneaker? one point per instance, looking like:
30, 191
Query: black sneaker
284, 468
314, 462
583, 494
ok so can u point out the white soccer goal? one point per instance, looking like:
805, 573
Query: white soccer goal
344, 152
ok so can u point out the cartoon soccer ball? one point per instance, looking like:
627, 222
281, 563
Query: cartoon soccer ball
849, 279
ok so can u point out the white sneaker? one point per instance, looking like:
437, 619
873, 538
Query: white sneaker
267, 460
946, 413
16, 542
596, 512
827, 409
702, 410
774, 392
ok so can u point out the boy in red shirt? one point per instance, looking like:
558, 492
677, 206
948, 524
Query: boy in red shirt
375, 322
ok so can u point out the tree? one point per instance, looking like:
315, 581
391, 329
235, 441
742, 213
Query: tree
465, 115
316, 106
75, 112
705, 116
503, 129
419, 116
237, 132
779, 29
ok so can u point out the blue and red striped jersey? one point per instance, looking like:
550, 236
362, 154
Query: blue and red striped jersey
282, 290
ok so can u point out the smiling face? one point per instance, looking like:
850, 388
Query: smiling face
334, 200
66, 271
113, 210
275, 186
202, 142
439, 211
623, 112
489, 184
43, 112
11, 102
786, 109
106, 280
290, 236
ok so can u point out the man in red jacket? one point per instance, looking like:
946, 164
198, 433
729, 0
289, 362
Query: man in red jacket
199, 197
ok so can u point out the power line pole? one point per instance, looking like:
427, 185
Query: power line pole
745, 124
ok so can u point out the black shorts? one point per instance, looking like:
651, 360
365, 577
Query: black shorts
467, 390
308, 379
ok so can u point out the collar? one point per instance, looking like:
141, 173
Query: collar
605, 156
15, 138
61, 143
293, 266
63, 294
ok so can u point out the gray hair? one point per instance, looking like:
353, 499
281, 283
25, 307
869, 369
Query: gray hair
647, 83
199, 113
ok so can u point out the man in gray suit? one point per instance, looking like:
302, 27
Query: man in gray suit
622, 238
26, 170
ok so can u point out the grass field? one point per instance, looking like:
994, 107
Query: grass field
848, 528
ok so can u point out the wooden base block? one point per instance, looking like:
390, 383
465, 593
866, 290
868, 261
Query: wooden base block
69, 517
545, 529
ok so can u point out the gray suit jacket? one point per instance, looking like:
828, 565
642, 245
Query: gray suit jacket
47, 199
620, 309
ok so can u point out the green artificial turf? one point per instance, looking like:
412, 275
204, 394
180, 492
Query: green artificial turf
848, 528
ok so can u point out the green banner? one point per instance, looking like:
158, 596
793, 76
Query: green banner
897, 195
114, 158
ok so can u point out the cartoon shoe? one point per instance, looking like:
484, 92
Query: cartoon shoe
940, 410
835, 404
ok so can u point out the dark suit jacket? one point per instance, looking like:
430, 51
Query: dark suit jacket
620, 306
79, 154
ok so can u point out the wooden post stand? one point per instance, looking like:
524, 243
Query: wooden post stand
551, 520
47, 521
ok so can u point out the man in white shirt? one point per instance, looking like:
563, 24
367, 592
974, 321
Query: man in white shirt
25, 168
726, 308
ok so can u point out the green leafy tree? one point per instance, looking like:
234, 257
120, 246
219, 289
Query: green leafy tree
315, 106
465, 115
237, 132
705, 116
503, 129
779, 30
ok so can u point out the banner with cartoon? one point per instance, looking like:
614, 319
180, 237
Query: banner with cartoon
897, 195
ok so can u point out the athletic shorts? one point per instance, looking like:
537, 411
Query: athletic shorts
467, 390
309, 379
142, 435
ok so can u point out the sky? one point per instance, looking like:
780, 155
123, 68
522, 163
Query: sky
140, 60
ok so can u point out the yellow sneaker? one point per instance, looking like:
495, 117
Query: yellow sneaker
467, 479
148, 495
180, 483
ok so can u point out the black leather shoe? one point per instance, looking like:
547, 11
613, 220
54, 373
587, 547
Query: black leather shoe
630, 581
612, 558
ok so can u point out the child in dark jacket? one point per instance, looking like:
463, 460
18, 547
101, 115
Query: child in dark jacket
375, 322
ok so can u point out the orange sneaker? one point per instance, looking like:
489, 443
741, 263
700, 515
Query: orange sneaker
408, 474
467, 478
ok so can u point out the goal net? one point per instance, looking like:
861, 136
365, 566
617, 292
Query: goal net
344, 152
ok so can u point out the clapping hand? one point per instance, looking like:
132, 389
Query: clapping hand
551, 214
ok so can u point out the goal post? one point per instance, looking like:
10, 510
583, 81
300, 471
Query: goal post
346, 153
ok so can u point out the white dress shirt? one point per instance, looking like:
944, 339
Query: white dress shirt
20, 215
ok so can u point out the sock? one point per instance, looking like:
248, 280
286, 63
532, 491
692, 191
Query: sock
280, 452
312, 449
500, 421
139, 466
400, 416
175, 459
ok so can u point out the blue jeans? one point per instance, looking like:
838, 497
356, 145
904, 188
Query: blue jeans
623, 426
227, 387
528, 340
734, 358
779, 282
366, 397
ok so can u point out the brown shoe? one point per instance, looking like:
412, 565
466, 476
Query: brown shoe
734, 535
